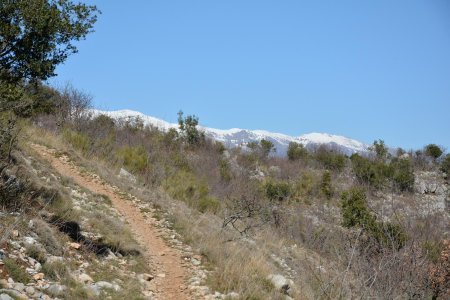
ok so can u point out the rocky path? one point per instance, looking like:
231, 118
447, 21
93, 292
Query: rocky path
167, 262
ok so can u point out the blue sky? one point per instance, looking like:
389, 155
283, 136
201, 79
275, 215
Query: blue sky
362, 69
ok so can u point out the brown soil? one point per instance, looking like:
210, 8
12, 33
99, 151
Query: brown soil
163, 260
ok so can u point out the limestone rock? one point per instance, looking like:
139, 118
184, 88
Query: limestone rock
281, 283
145, 277
127, 175
30, 290
5, 297
85, 278
18, 286
56, 289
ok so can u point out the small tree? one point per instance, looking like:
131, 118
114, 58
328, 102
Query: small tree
445, 166
403, 174
296, 151
38, 35
380, 149
72, 104
433, 151
353, 208
188, 129
266, 147
325, 186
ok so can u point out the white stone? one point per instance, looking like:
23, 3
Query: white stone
85, 278
56, 289
19, 286
127, 175
281, 283
5, 297
232, 295
195, 262
29, 240
30, 290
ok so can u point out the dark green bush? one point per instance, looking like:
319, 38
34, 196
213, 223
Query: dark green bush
330, 160
373, 173
325, 186
353, 209
187, 187
78, 140
445, 166
433, 150
135, 159
188, 129
356, 214
16, 271
403, 174
277, 190
296, 151
380, 149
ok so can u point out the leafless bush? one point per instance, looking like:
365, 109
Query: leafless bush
72, 104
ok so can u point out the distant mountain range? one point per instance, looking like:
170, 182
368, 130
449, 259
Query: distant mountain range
236, 137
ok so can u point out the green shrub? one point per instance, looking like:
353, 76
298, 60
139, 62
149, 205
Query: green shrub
377, 173
78, 140
433, 250
277, 190
374, 173
325, 186
247, 160
208, 203
445, 166
180, 162
296, 151
356, 214
305, 186
187, 187
266, 147
353, 209
403, 174
35, 252
135, 159
55, 270
104, 122
16, 271
433, 150
188, 129
380, 149
224, 169
330, 160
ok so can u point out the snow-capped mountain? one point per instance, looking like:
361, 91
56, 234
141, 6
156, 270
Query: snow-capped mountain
240, 137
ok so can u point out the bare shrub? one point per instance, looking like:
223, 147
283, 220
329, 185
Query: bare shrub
72, 104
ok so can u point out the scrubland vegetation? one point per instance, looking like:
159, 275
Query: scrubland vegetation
338, 226
372, 225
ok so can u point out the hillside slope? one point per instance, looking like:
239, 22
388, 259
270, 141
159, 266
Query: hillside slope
236, 137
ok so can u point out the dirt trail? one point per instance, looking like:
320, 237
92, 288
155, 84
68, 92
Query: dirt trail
170, 275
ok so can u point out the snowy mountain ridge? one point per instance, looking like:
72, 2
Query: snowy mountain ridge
236, 137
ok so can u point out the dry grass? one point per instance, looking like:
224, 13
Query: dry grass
238, 266
325, 271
